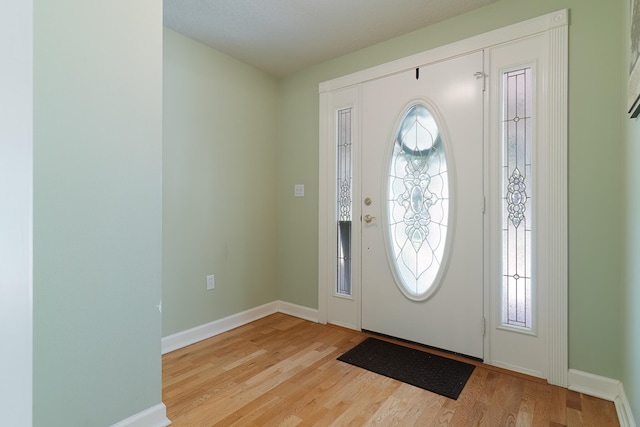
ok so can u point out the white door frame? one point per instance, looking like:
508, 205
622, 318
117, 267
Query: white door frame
556, 25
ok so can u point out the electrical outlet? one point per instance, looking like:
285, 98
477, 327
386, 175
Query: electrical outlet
211, 283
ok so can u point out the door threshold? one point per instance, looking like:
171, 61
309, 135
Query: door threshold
425, 346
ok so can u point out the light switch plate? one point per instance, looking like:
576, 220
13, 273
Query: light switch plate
298, 190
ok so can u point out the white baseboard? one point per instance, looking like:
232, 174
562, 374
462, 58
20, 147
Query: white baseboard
593, 385
299, 311
156, 416
625, 416
604, 388
208, 330
211, 329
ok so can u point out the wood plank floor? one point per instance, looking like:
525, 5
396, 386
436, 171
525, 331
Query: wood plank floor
282, 371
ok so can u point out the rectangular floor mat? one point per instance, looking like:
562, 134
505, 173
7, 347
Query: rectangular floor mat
437, 374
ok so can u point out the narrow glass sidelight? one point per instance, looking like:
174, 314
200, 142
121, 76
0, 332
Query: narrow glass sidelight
418, 203
517, 201
344, 191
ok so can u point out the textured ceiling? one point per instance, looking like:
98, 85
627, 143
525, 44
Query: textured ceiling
285, 36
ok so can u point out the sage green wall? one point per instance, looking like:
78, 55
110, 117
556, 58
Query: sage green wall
596, 249
631, 291
97, 210
219, 185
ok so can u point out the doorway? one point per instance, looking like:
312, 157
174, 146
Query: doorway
537, 348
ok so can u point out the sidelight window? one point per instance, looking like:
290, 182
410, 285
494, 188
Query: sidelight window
344, 190
517, 198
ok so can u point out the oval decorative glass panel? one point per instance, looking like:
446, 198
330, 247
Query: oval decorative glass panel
418, 203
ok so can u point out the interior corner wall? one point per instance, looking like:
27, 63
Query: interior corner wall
596, 248
16, 164
219, 185
97, 210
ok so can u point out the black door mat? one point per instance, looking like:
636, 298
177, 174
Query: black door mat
431, 372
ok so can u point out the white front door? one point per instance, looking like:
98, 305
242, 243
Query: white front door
422, 205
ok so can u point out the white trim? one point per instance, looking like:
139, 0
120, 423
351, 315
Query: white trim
603, 388
299, 311
155, 416
211, 329
325, 248
208, 330
479, 42
593, 385
623, 408
558, 222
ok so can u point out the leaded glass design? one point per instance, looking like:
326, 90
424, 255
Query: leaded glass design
344, 192
418, 201
517, 201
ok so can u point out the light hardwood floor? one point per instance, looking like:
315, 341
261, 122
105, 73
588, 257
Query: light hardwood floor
282, 371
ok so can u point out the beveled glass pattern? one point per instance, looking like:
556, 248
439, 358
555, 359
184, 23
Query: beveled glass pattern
344, 192
517, 202
418, 201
